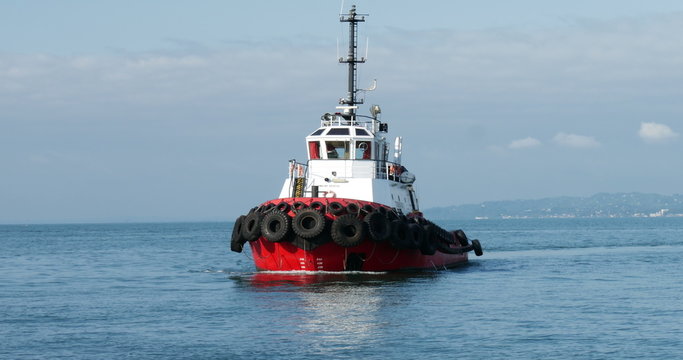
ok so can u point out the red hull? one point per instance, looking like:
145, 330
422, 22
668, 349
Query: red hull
368, 255
332, 257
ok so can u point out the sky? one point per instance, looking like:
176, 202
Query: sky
122, 111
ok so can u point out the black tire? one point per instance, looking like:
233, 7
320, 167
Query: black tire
283, 206
347, 231
308, 223
382, 210
275, 226
317, 205
299, 205
428, 246
400, 235
461, 237
236, 240
352, 208
367, 208
418, 235
379, 227
477, 248
251, 226
335, 208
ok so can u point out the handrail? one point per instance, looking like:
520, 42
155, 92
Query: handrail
385, 170
370, 123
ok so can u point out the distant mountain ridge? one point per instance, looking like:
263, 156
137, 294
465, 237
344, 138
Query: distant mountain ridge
598, 205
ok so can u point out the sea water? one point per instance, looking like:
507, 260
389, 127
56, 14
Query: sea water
544, 289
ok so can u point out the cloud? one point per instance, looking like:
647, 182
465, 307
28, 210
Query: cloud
527, 142
653, 132
575, 141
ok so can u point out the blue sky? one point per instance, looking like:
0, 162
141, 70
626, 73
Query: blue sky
179, 110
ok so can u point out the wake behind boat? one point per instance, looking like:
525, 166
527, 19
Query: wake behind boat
350, 206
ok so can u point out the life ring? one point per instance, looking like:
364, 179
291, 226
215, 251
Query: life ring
251, 226
347, 231
379, 228
275, 226
330, 194
308, 223
236, 240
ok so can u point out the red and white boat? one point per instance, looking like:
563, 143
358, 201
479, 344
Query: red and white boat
350, 206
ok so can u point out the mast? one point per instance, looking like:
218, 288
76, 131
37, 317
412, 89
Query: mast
352, 59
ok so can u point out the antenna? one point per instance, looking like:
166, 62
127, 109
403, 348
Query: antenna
352, 59
373, 86
367, 46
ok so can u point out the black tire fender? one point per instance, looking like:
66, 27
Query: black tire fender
335, 208
428, 246
461, 237
352, 208
347, 231
275, 226
317, 205
308, 223
251, 226
299, 205
367, 208
236, 240
379, 227
283, 206
418, 235
476, 245
400, 234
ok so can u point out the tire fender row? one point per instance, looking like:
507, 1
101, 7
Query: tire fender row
315, 223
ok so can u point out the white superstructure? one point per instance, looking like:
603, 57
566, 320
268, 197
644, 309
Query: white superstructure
349, 158
348, 155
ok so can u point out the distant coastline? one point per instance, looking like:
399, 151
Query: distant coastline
602, 205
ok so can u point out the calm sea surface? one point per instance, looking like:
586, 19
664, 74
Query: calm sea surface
544, 289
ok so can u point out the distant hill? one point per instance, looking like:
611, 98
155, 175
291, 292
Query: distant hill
598, 205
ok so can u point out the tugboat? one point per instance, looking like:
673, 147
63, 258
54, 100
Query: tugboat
349, 207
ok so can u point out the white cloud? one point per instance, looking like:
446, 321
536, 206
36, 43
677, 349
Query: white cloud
527, 142
575, 141
653, 132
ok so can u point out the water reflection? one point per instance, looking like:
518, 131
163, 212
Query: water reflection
334, 311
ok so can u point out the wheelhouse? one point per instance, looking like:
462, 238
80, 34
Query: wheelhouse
342, 143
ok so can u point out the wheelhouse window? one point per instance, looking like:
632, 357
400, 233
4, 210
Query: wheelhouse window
314, 150
338, 131
363, 150
362, 132
337, 149
318, 132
